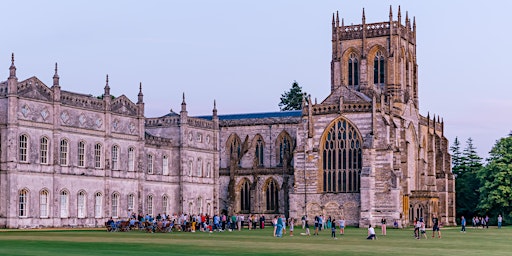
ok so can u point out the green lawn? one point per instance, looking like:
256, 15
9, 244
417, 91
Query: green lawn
490, 241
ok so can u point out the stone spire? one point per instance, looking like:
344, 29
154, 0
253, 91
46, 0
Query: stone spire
140, 95
12, 68
214, 108
107, 88
390, 13
183, 104
56, 76
399, 16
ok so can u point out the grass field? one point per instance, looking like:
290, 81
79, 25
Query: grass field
490, 241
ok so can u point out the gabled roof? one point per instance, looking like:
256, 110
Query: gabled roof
349, 95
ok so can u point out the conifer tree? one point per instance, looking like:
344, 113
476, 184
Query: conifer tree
467, 183
292, 100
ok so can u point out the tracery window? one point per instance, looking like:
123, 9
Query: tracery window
81, 154
379, 69
43, 150
284, 149
353, 72
97, 155
259, 152
234, 150
64, 152
23, 147
341, 158
43, 204
23, 203
245, 197
272, 196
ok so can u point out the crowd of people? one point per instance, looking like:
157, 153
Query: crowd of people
206, 223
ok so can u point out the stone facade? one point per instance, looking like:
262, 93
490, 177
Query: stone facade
364, 153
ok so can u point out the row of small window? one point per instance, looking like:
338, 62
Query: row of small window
82, 204
199, 171
283, 150
64, 147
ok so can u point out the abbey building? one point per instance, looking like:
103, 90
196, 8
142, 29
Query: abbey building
365, 152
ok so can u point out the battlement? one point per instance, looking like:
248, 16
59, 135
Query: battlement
375, 30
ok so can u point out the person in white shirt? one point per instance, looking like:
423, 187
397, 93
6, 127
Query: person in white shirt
371, 233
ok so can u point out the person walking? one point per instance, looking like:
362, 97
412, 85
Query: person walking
435, 222
463, 224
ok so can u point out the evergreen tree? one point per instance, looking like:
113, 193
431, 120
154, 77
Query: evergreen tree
456, 157
496, 178
467, 183
292, 100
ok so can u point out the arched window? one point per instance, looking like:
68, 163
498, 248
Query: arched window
259, 152
150, 164
43, 204
165, 204
165, 165
81, 200
23, 146
64, 152
81, 154
190, 167
245, 197
97, 155
271, 194
43, 150
199, 167
98, 205
149, 205
64, 204
115, 157
115, 205
353, 72
131, 160
131, 202
234, 149
341, 158
379, 70
23, 203
283, 149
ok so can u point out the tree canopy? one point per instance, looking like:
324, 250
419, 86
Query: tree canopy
496, 177
292, 99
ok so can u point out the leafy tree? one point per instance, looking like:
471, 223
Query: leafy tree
496, 177
466, 166
292, 100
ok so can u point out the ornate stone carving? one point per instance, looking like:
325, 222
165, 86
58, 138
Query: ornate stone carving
64, 117
25, 110
45, 113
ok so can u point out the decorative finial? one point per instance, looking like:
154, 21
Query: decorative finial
56, 76
107, 81
342, 22
183, 102
140, 98
333, 19
56, 70
414, 23
214, 108
12, 68
107, 88
399, 15
390, 13
337, 19
364, 16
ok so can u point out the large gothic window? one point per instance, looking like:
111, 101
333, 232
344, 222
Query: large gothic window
43, 204
23, 203
64, 152
353, 72
271, 194
114, 205
379, 69
259, 152
23, 148
81, 154
98, 205
283, 149
43, 152
235, 149
81, 200
115, 157
341, 158
97, 155
245, 197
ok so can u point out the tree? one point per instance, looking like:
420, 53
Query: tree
466, 166
292, 100
496, 177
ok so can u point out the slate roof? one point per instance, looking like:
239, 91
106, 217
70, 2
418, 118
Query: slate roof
280, 114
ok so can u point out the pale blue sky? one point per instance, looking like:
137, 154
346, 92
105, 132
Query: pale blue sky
245, 54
